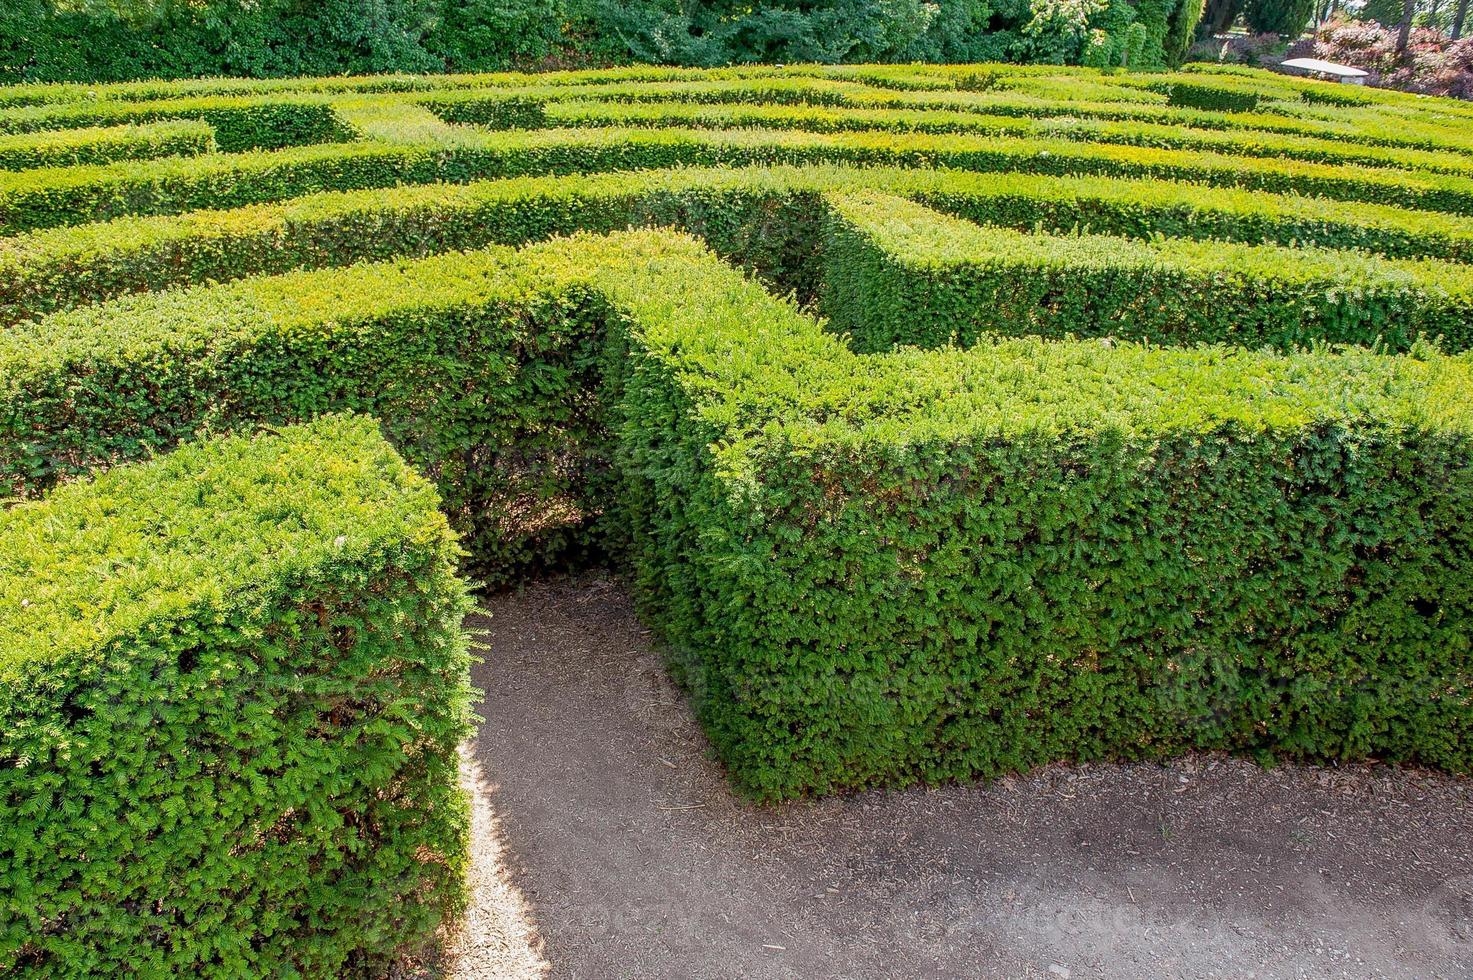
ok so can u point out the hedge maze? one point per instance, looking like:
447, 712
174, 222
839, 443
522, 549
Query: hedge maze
945, 421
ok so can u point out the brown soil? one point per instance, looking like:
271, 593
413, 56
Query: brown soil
608, 845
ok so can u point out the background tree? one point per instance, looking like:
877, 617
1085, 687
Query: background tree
1404, 29
1181, 29
1284, 17
1219, 15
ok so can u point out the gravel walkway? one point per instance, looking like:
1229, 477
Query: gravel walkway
609, 846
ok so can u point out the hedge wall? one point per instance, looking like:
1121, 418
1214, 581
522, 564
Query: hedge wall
932, 565
899, 273
239, 124
880, 568
480, 388
234, 683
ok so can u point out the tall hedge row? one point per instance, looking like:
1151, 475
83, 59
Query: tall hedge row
234, 681
876, 568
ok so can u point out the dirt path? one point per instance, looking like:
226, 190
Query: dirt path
610, 847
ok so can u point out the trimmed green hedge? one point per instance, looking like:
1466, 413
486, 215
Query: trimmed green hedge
481, 389
1212, 97
880, 568
239, 124
768, 219
901, 274
823, 119
71, 147
51, 198
514, 99
933, 565
234, 684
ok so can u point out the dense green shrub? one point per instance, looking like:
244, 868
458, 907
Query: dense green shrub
1196, 96
981, 562
1286, 17
899, 273
45, 40
71, 147
933, 565
234, 682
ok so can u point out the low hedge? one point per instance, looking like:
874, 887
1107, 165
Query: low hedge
239, 124
881, 568
901, 274
51, 198
1214, 97
515, 99
72, 147
235, 681
823, 119
767, 219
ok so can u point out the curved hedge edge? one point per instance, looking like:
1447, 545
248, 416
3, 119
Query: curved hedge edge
899, 273
234, 743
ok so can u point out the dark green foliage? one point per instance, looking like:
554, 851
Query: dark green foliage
277, 38
272, 38
1181, 31
234, 683
1196, 96
1286, 17
487, 35
900, 274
